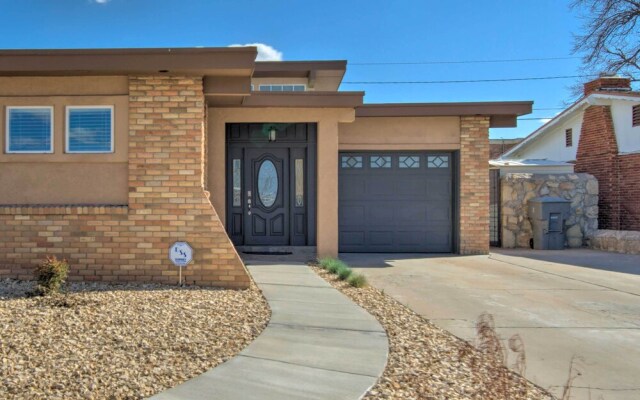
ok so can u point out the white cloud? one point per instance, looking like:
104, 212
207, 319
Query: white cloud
265, 52
101, 1
545, 120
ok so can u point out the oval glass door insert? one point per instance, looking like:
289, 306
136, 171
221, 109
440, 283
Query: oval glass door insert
267, 183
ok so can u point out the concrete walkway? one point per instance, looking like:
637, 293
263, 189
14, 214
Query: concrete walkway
318, 345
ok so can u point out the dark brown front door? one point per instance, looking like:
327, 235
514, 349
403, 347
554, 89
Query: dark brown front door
267, 196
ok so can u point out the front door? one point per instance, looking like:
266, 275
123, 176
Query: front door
267, 196
271, 180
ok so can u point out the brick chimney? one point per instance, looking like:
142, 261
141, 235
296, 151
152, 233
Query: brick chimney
613, 83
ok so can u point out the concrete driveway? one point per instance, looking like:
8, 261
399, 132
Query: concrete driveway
567, 303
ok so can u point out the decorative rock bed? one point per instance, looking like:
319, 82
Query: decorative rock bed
119, 342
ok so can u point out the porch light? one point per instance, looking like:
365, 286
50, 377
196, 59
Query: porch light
272, 134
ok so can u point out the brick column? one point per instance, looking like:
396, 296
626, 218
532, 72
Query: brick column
167, 201
474, 185
598, 155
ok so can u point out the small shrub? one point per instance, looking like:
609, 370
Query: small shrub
357, 280
344, 273
332, 265
51, 275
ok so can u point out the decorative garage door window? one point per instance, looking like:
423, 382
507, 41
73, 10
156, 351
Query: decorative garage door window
438, 161
409, 162
351, 162
267, 183
380, 161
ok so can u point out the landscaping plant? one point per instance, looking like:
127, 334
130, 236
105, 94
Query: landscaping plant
51, 275
343, 271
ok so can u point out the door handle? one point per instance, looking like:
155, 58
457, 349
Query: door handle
248, 202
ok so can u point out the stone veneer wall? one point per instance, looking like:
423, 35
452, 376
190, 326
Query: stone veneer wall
167, 202
517, 189
617, 241
474, 185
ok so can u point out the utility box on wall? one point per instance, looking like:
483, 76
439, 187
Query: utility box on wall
547, 215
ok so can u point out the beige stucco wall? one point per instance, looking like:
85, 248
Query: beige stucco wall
61, 178
327, 119
401, 133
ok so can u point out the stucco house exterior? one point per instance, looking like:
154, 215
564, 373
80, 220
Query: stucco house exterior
598, 134
109, 156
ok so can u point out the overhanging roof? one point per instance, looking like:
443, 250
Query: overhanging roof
502, 114
220, 61
297, 69
304, 99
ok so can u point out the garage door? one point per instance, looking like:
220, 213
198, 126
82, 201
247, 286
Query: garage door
396, 202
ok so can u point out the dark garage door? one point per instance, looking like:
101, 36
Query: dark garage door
396, 202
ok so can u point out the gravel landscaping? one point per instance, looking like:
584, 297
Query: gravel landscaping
426, 362
119, 341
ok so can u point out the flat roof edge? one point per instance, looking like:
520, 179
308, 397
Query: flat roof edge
507, 108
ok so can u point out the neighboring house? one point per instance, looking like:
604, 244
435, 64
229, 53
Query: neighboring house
110, 156
600, 133
498, 147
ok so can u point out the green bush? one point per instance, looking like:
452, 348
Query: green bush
344, 273
357, 280
51, 275
332, 265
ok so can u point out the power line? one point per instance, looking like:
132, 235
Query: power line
463, 62
540, 78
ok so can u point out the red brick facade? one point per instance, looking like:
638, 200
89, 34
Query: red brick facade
167, 203
618, 176
474, 185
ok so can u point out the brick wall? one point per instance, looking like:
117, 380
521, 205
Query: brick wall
618, 177
629, 191
167, 202
474, 185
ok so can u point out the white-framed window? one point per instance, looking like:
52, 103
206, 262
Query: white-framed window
282, 88
29, 129
89, 129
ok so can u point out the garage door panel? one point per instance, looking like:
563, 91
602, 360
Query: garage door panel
352, 238
381, 238
396, 209
351, 187
351, 214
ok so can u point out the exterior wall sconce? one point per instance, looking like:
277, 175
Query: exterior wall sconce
272, 134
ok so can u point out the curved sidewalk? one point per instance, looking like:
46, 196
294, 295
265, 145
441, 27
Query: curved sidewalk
318, 345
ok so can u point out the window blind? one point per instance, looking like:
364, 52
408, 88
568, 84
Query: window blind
29, 130
89, 130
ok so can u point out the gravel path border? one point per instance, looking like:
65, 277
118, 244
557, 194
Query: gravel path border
427, 362
103, 341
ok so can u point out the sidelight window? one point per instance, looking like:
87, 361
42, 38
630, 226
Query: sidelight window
299, 167
237, 182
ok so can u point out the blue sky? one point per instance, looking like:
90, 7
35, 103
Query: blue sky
359, 31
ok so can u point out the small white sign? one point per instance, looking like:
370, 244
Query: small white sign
180, 254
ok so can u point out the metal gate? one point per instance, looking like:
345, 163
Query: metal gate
494, 208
